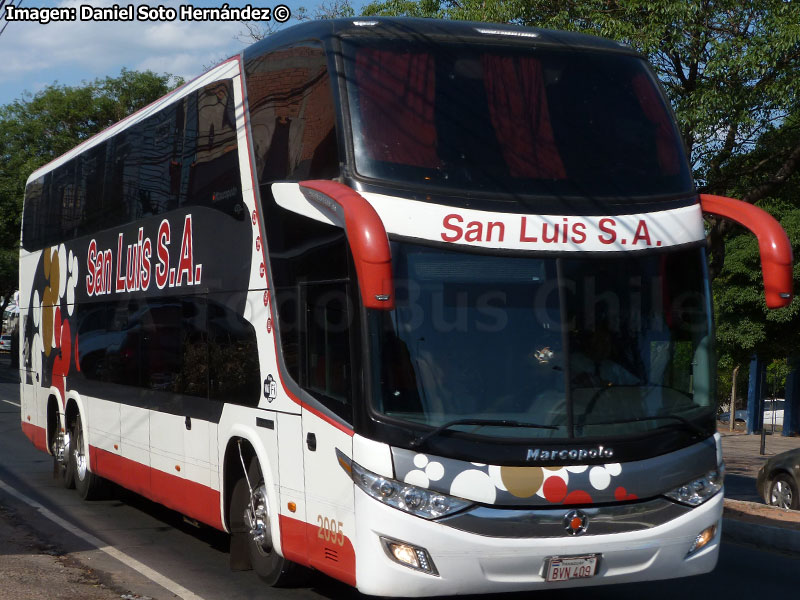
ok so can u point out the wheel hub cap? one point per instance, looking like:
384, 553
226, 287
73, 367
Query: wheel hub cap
59, 446
781, 495
80, 458
256, 517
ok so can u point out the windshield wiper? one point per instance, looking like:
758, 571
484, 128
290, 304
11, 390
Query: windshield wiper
695, 428
419, 441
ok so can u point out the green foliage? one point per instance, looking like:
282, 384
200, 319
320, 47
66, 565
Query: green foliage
408, 8
39, 127
328, 9
332, 9
744, 323
777, 371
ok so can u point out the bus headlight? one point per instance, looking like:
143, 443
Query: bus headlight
402, 496
697, 491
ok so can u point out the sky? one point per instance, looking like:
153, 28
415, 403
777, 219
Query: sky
33, 55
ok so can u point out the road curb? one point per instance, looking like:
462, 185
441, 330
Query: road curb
768, 527
766, 536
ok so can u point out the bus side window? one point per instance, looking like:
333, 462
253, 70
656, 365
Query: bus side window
292, 115
94, 339
69, 199
91, 180
315, 298
210, 150
326, 344
33, 218
232, 355
158, 343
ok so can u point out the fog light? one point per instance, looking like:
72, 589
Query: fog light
409, 556
405, 554
702, 539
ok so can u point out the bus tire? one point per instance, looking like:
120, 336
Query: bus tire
63, 469
87, 484
253, 529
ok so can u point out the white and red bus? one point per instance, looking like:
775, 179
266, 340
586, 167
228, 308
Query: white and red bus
422, 305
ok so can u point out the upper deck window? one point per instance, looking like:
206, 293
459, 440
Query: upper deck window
183, 155
292, 114
519, 119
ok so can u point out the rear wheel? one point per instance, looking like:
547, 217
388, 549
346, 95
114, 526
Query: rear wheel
62, 448
783, 492
250, 520
88, 484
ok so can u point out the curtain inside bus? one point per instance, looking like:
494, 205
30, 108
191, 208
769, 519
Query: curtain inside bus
397, 110
651, 106
521, 119
510, 118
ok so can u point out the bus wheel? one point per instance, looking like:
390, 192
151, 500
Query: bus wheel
87, 483
62, 469
250, 523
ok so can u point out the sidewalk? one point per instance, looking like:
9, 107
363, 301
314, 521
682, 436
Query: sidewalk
747, 518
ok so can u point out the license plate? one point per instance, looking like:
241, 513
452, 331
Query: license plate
563, 568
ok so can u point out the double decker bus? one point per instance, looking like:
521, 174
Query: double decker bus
421, 305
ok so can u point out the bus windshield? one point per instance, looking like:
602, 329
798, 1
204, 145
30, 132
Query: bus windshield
510, 118
580, 348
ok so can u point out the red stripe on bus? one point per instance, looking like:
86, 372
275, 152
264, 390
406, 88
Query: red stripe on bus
305, 543
38, 435
126, 472
187, 497
293, 540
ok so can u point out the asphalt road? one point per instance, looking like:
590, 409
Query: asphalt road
159, 543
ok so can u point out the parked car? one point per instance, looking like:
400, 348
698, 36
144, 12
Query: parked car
773, 413
741, 416
5, 343
778, 480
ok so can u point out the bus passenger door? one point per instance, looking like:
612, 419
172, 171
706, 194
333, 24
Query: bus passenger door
329, 499
326, 371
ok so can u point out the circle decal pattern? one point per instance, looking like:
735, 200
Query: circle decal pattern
563, 484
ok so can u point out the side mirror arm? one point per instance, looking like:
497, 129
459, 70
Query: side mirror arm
773, 244
365, 234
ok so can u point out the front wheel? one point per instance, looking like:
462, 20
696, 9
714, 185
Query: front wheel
783, 492
250, 519
88, 485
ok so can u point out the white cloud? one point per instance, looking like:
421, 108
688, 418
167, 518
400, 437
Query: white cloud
72, 52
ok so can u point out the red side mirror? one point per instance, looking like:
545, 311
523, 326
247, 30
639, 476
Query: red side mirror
365, 234
773, 244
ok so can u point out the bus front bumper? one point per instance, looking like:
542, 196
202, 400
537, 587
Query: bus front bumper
467, 563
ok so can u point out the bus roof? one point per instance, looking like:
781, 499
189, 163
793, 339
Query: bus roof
469, 31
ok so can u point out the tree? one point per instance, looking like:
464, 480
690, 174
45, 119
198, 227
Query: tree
744, 324
332, 9
35, 129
